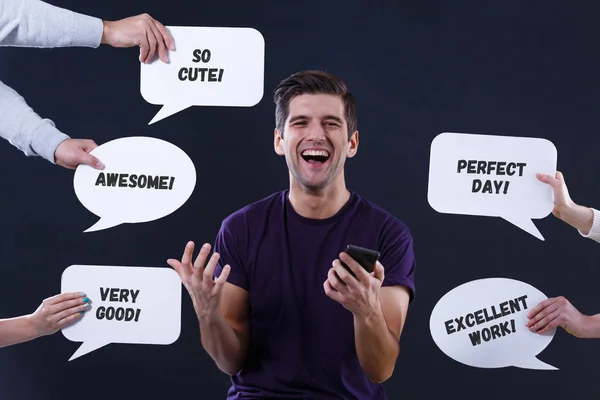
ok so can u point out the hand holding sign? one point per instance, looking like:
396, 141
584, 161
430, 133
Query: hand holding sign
131, 305
211, 67
492, 176
558, 311
483, 323
144, 179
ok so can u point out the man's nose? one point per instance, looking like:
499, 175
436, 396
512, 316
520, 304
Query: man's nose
317, 134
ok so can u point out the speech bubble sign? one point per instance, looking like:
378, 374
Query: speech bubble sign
482, 324
144, 179
210, 67
489, 175
131, 305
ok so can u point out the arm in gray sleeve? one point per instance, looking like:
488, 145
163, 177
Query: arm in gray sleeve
33, 23
26, 130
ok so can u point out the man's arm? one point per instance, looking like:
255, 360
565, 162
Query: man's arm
33, 23
377, 336
225, 335
221, 307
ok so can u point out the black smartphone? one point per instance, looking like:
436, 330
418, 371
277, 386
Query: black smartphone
367, 258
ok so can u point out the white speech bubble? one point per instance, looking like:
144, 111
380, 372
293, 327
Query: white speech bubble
517, 198
144, 179
482, 324
131, 305
209, 67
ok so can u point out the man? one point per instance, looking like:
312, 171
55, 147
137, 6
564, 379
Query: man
282, 316
33, 23
585, 219
54, 313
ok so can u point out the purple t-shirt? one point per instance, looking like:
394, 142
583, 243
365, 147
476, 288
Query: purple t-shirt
301, 341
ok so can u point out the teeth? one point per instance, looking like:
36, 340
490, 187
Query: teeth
322, 153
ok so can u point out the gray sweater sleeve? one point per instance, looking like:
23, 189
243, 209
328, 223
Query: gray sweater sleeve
33, 23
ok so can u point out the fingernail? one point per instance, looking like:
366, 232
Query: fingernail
81, 312
100, 164
86, 305
86, 300
81, 294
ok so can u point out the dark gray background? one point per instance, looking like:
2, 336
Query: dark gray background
418, 68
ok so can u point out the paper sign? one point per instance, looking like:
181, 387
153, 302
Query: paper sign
144, 179
482, 324
209, 67
492, 176
134, 305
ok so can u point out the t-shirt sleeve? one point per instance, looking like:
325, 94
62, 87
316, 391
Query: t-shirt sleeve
397, 256
228, 246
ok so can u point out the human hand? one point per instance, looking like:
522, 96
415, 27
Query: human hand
562, 199
140, 30
205, 291
57, 312
72, 152
554, 312
579, 217
359, 294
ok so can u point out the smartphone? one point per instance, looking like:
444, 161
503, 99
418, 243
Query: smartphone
367, 258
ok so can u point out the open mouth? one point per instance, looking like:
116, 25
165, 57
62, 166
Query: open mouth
315, 156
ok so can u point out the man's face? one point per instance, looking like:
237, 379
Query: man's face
315, 140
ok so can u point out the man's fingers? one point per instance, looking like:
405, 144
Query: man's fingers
358, 271
210, 267
220, 281
335, 281
200, 262
331, 292
63, 297
379, 272
178, 267
168, 39
186, 259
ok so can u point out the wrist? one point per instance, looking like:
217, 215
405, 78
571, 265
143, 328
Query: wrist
579, 217
370, 314
106, 30
30, 327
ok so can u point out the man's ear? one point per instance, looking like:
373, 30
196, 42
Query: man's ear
353, 147
278, 143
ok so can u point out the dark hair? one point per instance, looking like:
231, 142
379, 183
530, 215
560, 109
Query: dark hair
312, 82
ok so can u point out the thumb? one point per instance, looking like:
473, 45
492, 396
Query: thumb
378, 271
547, 179
88, 159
